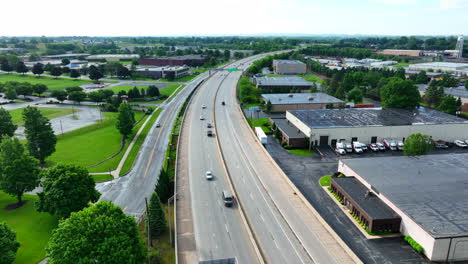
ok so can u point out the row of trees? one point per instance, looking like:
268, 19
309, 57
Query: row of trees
435, 97
13, 89
258, 65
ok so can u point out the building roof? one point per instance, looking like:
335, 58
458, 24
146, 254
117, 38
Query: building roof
453, 65
369, 203
167, 68
288, 61
459, 91
301, 98
122, 56
185, 57
363, 117
282, 81
431, 189
289, 129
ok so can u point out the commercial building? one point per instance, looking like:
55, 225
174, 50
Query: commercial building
289, 67
369, 125
163, 72
428, 193
69, 56
295, 101
281, 84
290, 134
190, 60
459, 69
398, 52
113, 57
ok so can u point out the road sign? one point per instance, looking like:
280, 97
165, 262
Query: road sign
232, 69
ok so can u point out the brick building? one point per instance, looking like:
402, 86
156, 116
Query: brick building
190, 60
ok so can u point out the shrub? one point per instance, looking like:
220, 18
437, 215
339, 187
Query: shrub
414, 244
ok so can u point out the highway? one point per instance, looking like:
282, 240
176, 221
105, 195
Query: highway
285, 230
129, 191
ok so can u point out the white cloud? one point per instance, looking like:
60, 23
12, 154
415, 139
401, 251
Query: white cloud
396, 2
453, 4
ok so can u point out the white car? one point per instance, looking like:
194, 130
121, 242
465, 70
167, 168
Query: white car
348, 147
460, 144
364, 147
202, 118
380, 146
400, 145
340, 148
203, 106
209, 175
374, 147
466, 141
357, 147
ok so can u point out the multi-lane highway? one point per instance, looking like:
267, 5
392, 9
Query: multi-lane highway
129, 192
283, 227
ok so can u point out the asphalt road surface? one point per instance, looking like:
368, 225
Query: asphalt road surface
129, 191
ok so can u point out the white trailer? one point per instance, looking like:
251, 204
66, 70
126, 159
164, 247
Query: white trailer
261, 135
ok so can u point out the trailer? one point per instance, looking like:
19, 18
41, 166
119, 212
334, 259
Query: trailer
261, 135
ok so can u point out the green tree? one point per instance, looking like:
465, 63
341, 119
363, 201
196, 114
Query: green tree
19, 172
73, 89
448, 104
8, 244
21, 68
152, 91
58, 198
39, 88
96, 96
40, 136
434, 94
313, 88
7, 127
355, 95
422, 77
157, 220
65, 61
10, 93
164, 187
77, 96
94, 73
398, 93
74, 73
466, 85
59, 95
24, 89
125, 120
417, 144
268, 106
101, 233
6, 67
38, 69
55, 71
340, 93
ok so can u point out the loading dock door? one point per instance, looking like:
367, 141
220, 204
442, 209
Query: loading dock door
373, 140
333, 142
323, 140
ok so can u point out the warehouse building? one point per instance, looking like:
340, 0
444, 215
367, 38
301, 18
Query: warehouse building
427, 192
295, 101
113, 57
163, 72
459, 69
289, 67
284, 84
290, 134
369, 125
190, 60
398, 52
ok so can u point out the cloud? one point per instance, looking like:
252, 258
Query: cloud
396, 2
453, 4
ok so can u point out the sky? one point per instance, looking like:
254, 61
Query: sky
240, 17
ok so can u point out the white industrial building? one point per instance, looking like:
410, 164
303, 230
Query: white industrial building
460, 69
428, 193
369, 125
289, 67
114, 57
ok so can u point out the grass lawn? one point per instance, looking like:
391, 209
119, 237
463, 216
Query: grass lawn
300, 152
102, 177
182, 79
126, 88
401, 64
264, 123
17, 114
325, 180
138, 143
274, 75
33, 229
312, 78
168, 90
88, 145
198, 70
50, 82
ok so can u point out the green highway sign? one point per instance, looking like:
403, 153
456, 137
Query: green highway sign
232, 69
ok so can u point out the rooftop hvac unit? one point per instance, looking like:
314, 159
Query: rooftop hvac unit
290, 95
311, 98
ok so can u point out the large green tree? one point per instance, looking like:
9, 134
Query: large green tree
157, 220
355, 95
101, 233
399, 93
125, 120
268, 106
66, 189
21, 68
19, 172
8, 244
466, 85
94, 73
77, 96
38, 69
165, 186
40, 136
417, 144
448, 104
39, 88
434, 94
7, 127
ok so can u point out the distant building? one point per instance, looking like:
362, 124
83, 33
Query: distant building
174, 72
296, 101
190, 60
11, 50
289, 67
113, 57
281, 84
459, 69
69, 56
398, 52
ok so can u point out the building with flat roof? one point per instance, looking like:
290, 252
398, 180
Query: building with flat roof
290, 134
369, 125
281, 84
113, 57
459, 69
294, 101
429, 194
173, 72
69, 56
398, 52
289, 67
190, 60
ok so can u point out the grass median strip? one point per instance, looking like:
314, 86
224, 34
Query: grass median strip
138, 143
300, 152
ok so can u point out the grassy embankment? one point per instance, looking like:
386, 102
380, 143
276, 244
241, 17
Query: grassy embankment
50, 82
17, 114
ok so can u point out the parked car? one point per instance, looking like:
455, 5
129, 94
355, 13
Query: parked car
381, 146
364, 147
340, 148
460, 144
373, 147
357, 147
400, 145
440, 144
390, 144
209, 175
347, 146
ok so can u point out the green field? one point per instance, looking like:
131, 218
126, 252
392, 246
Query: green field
401, 64
126, 88
300, 152
168, 90
138, 143
33, 229
312, 78
51, 83
88, 145
17, 114
325, 180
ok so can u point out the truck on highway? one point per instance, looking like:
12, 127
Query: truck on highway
261, 135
